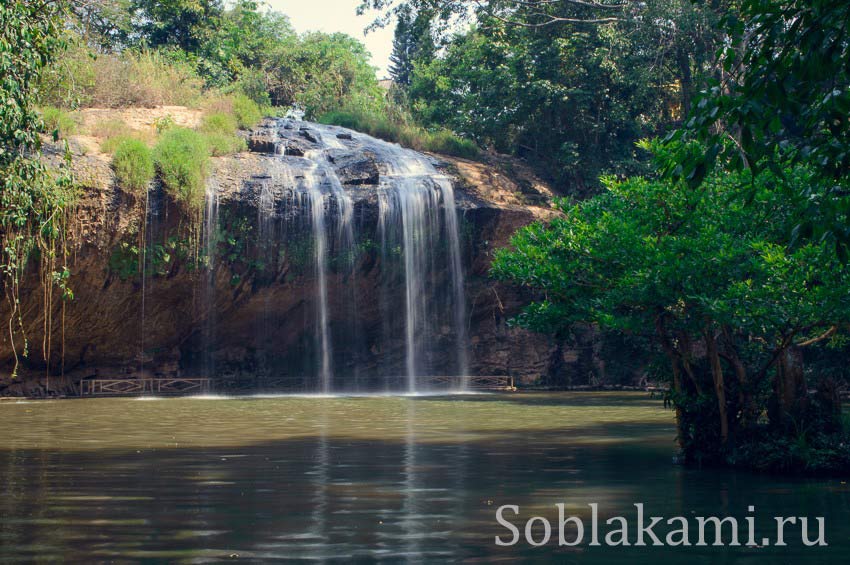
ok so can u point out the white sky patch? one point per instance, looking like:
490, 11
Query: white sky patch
339, 15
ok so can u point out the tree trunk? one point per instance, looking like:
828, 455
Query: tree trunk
747, 406
719, 385
791, 390
677, 375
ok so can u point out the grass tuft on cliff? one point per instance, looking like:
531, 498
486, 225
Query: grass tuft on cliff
219, 129
246, 112
182, 161
58, 122
133, 165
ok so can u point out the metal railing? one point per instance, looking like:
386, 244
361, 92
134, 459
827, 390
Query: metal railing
201, 385
130, 387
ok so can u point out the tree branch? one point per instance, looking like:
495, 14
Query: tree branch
825, 335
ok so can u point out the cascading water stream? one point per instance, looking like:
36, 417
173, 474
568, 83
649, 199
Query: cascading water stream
453, 233
305, 218
209, 242
316, 203
413, 190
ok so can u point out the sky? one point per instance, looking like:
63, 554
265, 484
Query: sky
339, 15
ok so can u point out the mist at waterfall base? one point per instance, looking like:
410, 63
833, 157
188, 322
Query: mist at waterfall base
322, 239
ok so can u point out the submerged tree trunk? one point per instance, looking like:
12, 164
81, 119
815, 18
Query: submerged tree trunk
677, 374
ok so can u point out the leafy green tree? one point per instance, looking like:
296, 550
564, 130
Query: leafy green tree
709, 277
32, 201
247, 44
327, 71
783, 96
184, 24
567, 94
102, 24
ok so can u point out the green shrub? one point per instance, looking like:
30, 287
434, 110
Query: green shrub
182, 161
110, 144
163, 123
133, 165
246, 111
344, 119
444, 141
222, 144
58, 122
252, 83
219, 129
219, 122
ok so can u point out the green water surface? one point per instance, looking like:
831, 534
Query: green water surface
352, 479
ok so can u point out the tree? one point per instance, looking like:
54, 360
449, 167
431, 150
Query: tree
572, 98
185, 24
782, 97
525, 13
323, 72
412, 42
728, 304
32, 202
101, 24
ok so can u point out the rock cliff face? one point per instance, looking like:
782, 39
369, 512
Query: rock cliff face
245, 293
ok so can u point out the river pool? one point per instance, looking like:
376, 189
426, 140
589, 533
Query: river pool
370, 478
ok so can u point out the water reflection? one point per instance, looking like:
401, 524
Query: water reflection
386, 478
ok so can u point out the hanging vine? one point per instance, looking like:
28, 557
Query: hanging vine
33, 200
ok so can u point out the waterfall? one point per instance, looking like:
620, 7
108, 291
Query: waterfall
209, 239
450, 213
421, 285
317, 214
413, 190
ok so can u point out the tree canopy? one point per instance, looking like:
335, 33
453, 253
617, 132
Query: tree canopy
709, 277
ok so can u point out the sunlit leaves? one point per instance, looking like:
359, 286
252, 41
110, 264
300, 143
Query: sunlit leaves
701, 257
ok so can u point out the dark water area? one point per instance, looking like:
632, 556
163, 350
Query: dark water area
377, 478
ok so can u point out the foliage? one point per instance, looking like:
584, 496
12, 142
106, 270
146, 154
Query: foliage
180, 52
59, 123
401, 131
160, 258
703, 271
412, 42
130, 78
246, 111
133, 165
784, 97
185, 24
164, 123
124, 260
219, 122
219, 129
243, 109
326, 72
182, 162
32, 202
806, 452
572, 96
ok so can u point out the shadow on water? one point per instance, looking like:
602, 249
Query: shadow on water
606, 399
394, 480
